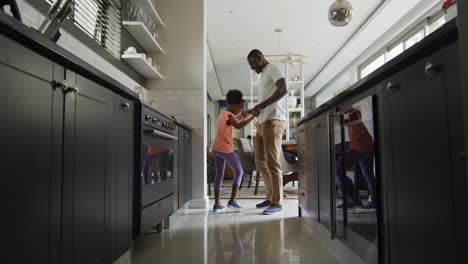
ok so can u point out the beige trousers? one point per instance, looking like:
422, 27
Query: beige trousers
267, 150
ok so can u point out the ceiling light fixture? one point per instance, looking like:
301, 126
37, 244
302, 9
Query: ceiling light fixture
340, 13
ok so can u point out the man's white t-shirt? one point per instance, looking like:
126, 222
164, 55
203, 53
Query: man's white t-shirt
277, 111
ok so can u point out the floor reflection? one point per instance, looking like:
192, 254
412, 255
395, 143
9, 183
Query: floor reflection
242, 237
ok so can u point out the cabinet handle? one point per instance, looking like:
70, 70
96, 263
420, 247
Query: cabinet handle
391, 87
316, 125
301, 131
70, 89
430, 68
186, 136
125, 105
302, 194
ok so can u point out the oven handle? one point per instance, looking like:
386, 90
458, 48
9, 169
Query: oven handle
155, 132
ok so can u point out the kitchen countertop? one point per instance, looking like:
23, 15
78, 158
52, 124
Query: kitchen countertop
446, 34
33, 40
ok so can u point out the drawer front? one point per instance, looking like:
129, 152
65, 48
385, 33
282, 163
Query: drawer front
302, 135
155, 213
303, 198
155, 192
302, 178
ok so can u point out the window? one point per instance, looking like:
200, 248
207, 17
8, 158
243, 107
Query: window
418, 36
100, 20
395, 51
436, 24
414, 36
372, 66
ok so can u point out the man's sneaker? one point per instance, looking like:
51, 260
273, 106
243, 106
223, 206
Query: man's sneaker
368, 208
350, 205
218, 208
274, 209
264, 204
234, 205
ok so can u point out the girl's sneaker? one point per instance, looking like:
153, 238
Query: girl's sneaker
234, 205
218, 208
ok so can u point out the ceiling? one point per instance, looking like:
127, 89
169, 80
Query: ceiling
236, 27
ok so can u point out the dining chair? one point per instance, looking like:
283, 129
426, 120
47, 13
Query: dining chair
247, 158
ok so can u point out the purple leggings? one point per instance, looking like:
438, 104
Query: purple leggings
220, 163
365, 159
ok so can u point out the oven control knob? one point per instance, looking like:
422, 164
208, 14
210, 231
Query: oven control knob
165, 124
154, 120
147, 117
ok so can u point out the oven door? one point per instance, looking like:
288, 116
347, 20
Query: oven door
157, 165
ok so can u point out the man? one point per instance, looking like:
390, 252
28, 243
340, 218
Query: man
272, 120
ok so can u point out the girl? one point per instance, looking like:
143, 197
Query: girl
223, 149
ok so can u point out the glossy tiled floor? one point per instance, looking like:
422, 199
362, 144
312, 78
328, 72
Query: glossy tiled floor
199, 236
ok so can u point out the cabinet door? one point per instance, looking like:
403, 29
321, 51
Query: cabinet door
31, 134
182, 166
122, 149
87, 173
188, 166
313, 129
323, 157
421, 204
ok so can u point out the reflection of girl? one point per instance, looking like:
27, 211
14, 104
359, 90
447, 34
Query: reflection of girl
155, 164
361, 152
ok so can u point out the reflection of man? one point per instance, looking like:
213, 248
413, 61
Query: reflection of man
361, 152
272, 251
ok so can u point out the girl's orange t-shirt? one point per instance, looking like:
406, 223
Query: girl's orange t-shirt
223, 140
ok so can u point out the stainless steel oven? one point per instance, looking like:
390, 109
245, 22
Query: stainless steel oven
158, 169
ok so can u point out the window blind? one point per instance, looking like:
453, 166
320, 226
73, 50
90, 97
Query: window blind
100, 20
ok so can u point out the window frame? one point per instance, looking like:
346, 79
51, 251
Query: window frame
403, 38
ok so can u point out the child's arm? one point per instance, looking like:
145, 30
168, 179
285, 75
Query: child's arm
233, 121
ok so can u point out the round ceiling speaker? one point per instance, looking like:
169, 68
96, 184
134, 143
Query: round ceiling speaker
340, 13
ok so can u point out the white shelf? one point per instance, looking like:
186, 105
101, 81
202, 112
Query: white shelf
295, 110
139, 31
295, 82
147, 5
141, 65
255, 83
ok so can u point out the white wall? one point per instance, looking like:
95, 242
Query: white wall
212, 108
33, 18
182, 93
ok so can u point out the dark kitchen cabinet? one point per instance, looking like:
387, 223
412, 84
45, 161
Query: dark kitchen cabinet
88, 172
31, 115
122, 183
67, 162
421, 139
308, 170
313, 130
185, 166
324, 173
314, 170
